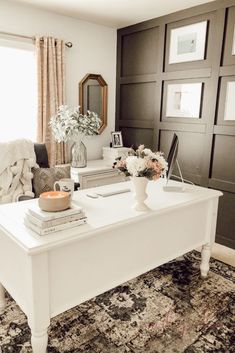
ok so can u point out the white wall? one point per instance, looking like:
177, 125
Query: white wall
93, 51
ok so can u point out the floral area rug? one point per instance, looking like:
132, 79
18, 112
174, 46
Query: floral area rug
167, 310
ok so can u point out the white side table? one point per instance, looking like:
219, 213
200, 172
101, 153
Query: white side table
96, 173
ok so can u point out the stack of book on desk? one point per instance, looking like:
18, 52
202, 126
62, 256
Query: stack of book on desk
44, 223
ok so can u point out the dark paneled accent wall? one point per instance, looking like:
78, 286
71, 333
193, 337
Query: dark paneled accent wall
144, 72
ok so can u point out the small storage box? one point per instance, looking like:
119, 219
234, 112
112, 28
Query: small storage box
110, 154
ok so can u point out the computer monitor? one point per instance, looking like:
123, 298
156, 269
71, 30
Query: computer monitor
172, 156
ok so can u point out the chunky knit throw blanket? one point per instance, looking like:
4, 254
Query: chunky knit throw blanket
16, 160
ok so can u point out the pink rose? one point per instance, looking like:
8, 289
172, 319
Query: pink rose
157, 167
121, 164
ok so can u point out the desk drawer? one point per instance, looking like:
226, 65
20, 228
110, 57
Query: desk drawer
95, 180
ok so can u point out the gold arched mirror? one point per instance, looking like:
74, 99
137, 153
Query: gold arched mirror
93, 92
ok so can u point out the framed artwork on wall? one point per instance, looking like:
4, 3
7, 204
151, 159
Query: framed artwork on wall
229, 112
228, 58
226, 102
183, 100
233, 49
187, 43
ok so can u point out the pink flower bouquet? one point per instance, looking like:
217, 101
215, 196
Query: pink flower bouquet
143, 163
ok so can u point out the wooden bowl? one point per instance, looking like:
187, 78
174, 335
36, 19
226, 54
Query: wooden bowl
53, 201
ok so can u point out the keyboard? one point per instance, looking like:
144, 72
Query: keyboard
112, 192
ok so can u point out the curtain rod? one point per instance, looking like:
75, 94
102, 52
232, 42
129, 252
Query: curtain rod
68, 44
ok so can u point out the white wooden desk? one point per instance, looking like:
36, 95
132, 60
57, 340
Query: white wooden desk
50, 274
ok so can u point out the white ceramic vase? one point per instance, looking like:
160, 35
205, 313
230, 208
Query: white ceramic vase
140, 195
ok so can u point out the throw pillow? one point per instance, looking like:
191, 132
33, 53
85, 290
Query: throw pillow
44, 178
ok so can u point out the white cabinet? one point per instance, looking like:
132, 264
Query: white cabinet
97, 173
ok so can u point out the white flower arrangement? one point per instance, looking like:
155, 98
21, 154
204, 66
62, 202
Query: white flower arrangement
70, 124
143, 163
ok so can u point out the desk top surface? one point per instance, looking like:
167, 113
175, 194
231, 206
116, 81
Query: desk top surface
103, 213
93, 166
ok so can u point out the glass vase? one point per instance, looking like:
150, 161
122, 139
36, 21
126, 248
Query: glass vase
79, 155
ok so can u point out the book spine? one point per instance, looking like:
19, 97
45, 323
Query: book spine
55, 228
54, 222
55, 215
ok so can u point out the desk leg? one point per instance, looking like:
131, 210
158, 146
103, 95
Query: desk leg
39, 309
2, 299
210, 236
39, 341
205, 261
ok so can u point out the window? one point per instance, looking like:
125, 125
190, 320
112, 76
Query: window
18, 91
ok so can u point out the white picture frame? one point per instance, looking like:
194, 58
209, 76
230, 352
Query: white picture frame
233, 45
183, 100
229, 109
187, 43
116, 137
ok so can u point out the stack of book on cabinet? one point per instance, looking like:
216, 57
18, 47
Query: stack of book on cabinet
44, 223
110, 154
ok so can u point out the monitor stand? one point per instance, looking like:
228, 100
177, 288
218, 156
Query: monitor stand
180, 188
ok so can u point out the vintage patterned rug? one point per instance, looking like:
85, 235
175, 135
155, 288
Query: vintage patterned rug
167, 310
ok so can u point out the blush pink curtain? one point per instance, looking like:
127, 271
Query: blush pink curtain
50, 54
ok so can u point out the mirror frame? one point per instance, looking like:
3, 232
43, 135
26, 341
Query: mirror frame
104, 94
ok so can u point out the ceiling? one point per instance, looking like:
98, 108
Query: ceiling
114, 13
